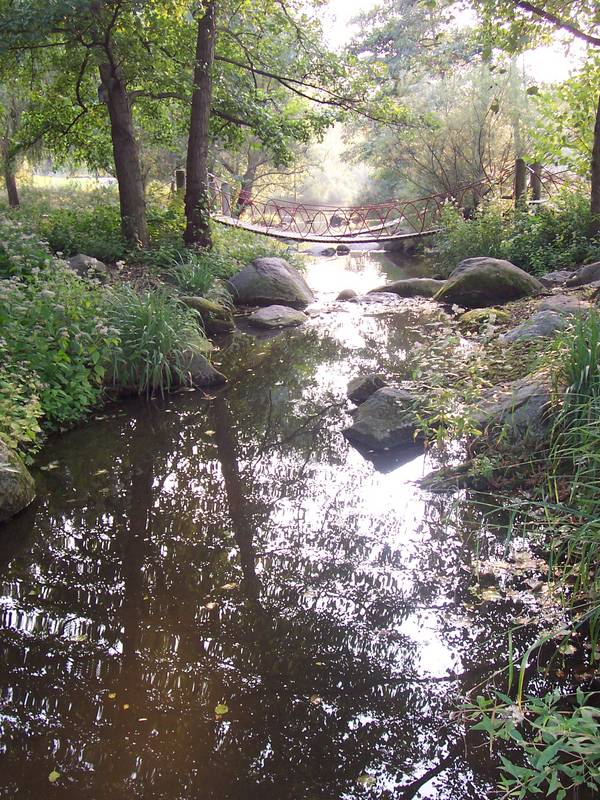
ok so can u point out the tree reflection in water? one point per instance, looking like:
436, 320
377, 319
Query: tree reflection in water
190, 553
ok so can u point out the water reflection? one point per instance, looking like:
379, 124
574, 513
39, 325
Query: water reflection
237, 551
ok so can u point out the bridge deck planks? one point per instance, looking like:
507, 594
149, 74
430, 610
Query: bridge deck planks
360, 237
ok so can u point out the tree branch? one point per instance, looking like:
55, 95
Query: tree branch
563, 24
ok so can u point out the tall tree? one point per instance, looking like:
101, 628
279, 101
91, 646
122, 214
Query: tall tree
197, 230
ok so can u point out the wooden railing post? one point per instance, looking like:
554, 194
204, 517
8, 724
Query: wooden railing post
520, 183
180, 181
225, 199
535, 181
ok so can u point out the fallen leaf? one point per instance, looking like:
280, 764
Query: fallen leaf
54, 776
315, 699
112, 695
366, 781
221, 709
125, 706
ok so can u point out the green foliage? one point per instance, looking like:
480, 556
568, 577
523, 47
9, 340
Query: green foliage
51, 326
95, 231
21, 252
559, 744
554, 236
461, 238
20, 406
157, 335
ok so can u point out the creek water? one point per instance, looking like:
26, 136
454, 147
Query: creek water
219, 597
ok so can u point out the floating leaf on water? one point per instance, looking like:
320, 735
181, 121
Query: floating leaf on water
209, 433
53, 776
221, 709
210, 606
112, 695
489, 595
315, 699
366, 781
125, 706
229, 586
100, 472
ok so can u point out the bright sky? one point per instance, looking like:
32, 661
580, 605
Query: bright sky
545, 63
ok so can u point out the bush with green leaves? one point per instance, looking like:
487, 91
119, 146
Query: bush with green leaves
559, 742
21, 251
553, 236
157, 334
20, 405
53, 326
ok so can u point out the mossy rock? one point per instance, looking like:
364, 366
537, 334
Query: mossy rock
481, 282
477, 317
215, 317
17, 487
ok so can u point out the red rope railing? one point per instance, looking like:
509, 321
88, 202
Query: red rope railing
377, 221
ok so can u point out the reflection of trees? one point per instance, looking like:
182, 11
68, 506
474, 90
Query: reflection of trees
230, 556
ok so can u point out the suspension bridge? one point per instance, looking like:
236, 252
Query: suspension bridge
362, 224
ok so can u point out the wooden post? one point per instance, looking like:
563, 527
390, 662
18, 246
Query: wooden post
180, 181
535, 181
520, 183
225, 199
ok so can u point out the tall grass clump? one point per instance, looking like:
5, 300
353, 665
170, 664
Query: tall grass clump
157, 336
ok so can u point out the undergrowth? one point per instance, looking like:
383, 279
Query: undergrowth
551, 237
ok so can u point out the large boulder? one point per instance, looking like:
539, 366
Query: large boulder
584, 275
272, 317
479, 282
17, 487
269, 281
361, 388
347, 294
342, 249
556, 278
517, 410
384, 421
565, 304
412, 287
215, 317
542, 325
88, 266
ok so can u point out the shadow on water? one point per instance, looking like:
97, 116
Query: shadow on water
235, 551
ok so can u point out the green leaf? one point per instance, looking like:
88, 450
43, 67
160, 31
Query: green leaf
221, 709
53, 776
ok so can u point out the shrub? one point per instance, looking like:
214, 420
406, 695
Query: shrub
461, 238
21, 252
156, 335
553, 236
52, 326
95, 231
20, 406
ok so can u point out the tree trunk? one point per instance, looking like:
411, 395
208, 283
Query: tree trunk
595, 194
197, 204
128, 168
10, 179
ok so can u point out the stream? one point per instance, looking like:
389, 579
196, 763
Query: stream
219, 597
